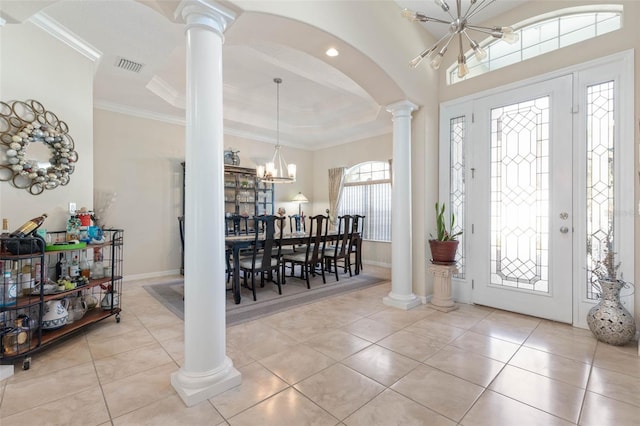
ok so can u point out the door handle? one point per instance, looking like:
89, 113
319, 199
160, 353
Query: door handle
564, 229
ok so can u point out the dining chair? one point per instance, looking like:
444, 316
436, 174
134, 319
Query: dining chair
234, 225
265, 257
296, 223
314, 252
340, 249
356, 241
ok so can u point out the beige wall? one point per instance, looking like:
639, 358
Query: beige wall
36, 66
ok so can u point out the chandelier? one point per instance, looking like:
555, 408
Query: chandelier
277, 170
458, 26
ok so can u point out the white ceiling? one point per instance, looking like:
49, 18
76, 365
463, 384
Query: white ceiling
319, 105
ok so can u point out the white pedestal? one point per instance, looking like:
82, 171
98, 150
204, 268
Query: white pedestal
441, 299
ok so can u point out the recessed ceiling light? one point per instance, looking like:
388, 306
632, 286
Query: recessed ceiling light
332, 51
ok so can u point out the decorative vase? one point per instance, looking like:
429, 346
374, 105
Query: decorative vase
609, 321
443, 252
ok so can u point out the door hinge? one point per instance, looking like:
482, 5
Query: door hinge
473, 228
575, 109
473, 172
473, 118
472, 284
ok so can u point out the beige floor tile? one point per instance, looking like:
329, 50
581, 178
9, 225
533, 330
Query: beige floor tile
552, 396
612, 384
339, 390
475, 368
411, 345
297, 363
497, 349
169, 331
73, 352
258, 340
599, 410
369, 329
493, 409
579, 348
109, 328
83, 408
121, 343
553, 366
428, 327
623, 359
515, 333
21, 395
175, 349
131, 362
400, 318
392, 409
171, 411
288, 407
337, 344
238, 357
258, 384
139, 390
441, 392
456, 319
380, 364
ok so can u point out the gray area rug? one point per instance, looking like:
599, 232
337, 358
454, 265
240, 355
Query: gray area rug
294, 293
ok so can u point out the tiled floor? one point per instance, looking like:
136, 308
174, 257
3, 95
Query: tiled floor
349, 360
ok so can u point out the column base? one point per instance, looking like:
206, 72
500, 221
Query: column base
195, 388
443, 308
405, 303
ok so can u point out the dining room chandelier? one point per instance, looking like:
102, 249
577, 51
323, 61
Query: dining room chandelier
458, 26
277, 170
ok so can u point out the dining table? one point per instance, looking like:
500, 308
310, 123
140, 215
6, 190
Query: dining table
236, 243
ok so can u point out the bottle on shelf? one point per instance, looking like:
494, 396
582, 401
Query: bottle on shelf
74, 267
85, 270
9, 289
61, 267
98, 267
29, 226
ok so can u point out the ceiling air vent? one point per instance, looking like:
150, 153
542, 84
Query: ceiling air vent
128, 65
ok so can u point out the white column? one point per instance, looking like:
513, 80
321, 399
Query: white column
401, 295
207, 370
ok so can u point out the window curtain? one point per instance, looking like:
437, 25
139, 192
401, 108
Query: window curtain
336, 180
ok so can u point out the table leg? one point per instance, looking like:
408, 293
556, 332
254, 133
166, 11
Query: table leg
236, 274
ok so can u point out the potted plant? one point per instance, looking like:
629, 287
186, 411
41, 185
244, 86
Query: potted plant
444, 245
609, 320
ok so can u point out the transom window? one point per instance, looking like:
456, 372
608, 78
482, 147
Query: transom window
367, 191
542, 34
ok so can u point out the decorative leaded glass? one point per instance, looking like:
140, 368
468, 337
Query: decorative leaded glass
520, 195
457, 187
600, 172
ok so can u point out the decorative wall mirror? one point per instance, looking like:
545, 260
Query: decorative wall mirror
36, 150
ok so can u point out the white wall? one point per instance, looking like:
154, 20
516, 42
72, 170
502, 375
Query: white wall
36, 66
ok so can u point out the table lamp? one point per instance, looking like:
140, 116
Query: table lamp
300, 198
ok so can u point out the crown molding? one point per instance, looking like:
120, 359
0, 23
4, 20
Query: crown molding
166, 92
137, 112
57, 30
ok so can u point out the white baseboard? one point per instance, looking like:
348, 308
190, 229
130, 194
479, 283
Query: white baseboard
373, 263
151, 275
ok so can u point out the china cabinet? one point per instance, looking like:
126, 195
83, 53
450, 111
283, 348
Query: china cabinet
38, 309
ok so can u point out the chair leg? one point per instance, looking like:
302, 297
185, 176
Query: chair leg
253, 285
278, 280
306, 266
335, 264
324, 280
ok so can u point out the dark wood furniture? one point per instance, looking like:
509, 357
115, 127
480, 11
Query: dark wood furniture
313, 255
341, 248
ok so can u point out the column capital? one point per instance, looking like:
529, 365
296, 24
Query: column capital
443, 270
401, 108
206, 14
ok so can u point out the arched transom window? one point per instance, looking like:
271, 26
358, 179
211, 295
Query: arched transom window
542, 34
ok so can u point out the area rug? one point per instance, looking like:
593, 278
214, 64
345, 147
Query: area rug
294, 293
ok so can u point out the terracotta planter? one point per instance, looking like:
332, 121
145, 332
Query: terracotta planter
443, 251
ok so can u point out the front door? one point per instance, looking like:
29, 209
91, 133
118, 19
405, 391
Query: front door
521, 188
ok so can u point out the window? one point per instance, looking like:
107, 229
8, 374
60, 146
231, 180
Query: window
367, 192
540, 35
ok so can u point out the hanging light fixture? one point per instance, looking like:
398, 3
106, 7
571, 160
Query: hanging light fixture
458, 26
277, 170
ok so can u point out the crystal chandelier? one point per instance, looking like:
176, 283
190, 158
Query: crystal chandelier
458, 26
277, 170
